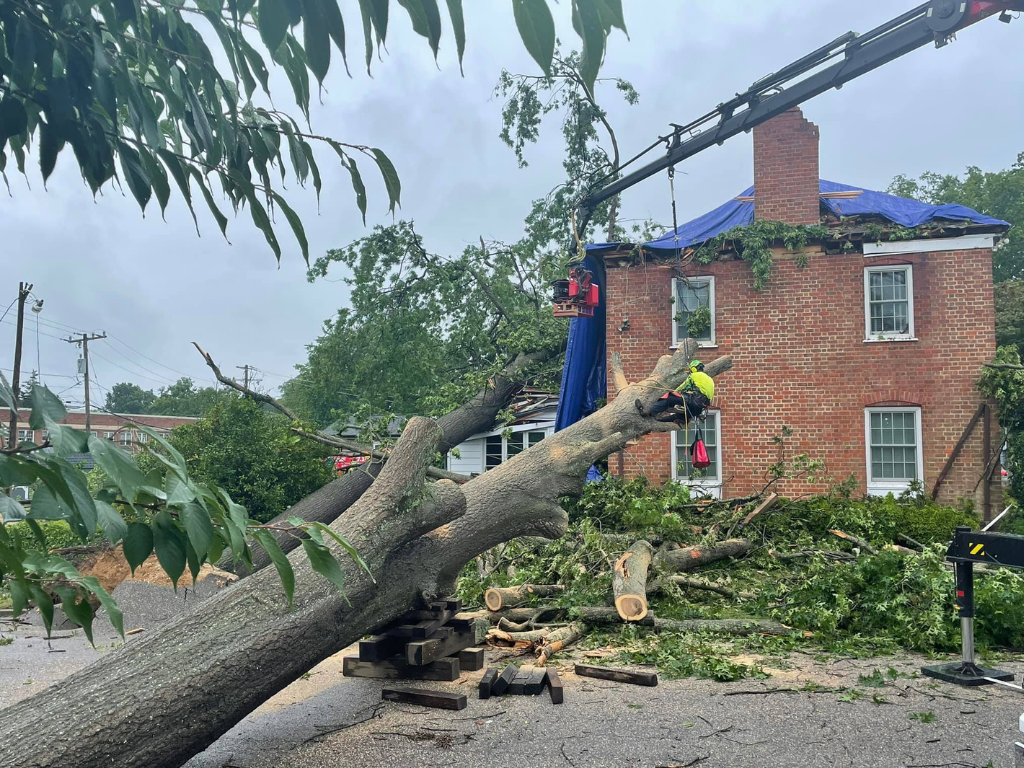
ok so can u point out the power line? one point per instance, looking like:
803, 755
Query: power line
48, 335
147, 357
140, 366
162, 383
54, 375
8, 309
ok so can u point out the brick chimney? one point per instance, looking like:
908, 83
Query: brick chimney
786, 169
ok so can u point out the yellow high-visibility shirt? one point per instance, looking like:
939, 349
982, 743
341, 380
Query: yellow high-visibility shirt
701, 381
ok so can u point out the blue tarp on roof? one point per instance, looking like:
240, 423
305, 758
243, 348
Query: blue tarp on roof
735, 213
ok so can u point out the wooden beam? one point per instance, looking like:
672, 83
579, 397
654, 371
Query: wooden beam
618, 675
487, 682
471, 659
956, 450
555, 687
419, 652
435, 699
445, 670
504, 680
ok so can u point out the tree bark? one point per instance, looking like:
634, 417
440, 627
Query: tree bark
691, 558
497, 598
629, 581
326, 504
159, 701
557, 640
688, 583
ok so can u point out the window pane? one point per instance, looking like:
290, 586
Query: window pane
690, 298
515, 444
889, 301
536, 437
492, 452
893, 438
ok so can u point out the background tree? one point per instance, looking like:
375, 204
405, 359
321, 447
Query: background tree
425, 330
185, 398
137, 93
126, 397
250, 452
999, 194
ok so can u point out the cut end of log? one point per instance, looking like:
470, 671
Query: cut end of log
493, 600
631, 607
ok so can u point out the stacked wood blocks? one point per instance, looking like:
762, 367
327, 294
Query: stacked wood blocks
529, 681
431, 644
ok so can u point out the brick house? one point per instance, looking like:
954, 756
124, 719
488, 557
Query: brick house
105, 425
866, 342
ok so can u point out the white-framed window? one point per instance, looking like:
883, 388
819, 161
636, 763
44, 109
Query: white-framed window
892, 438
889, 303
143, 437
44, 435
108, 435
26, 436
707, 481
499, 449
125, 437
690, 296
93, 433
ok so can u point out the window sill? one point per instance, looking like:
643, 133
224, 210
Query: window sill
891, 338
895, 490
700, 345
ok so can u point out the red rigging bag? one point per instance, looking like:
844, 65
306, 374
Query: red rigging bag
699, 452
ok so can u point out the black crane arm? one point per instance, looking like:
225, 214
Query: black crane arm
935, 21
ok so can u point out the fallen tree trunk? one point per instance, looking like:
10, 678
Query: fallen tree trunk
160, 700
691, 558
629, 581
723, 626
326, 504
497, 598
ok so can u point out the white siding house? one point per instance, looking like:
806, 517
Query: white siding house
534, 420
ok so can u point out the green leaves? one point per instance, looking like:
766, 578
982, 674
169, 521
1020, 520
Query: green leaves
458, 27
323, 562
280, 561
272, 18
586, 20
391, 180
13, 118
138, 545
169, 542
537, 29
198, 527
45, 406
316, 35
10, 510
119, 466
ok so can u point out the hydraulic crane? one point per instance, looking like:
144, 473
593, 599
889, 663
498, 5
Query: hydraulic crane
833, 65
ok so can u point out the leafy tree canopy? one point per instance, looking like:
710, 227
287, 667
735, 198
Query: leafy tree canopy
126, 397
999, 194
184, 398
424, 330
251, 453
143, 101
1009, 298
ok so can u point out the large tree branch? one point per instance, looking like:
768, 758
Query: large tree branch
259, 397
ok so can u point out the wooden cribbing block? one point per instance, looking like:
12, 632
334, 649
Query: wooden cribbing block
471, 659
504, 680
535, 682
437, 647
554, 686
618, 675
421, 630
487, 682
518, 685
446, 670
380, 647
435, 699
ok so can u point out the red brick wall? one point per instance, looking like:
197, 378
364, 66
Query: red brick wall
786, 169
800, 360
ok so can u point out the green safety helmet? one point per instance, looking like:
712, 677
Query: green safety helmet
696, 365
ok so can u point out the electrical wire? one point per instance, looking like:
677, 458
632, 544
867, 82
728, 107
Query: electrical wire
164, 382
48, 335
139, 365
8, 309
147, 357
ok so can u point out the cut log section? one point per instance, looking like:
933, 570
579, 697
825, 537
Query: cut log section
629, 581
444, 670
691, 558
556, 641
497, 598
435, 699
618, 675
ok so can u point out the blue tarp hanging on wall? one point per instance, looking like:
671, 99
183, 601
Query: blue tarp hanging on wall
584, 374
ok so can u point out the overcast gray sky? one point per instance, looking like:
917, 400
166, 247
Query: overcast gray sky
154, 286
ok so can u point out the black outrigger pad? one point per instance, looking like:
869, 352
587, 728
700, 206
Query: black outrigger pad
969, 675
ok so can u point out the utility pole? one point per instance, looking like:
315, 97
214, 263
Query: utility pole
23, 291
84, 341
246, 369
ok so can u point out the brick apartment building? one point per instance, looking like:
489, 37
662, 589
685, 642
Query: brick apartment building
105, 425
869, 352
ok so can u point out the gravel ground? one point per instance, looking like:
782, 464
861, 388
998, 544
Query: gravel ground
328, 721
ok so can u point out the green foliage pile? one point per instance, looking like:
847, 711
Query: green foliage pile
874, 604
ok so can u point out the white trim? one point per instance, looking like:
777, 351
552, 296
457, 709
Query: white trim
962, 243
710, 486
889, 336
547, 430
537, 426
882, 487
710, 280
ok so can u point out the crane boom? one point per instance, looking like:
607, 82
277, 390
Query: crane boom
935, 21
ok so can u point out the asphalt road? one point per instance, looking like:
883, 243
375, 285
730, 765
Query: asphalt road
328, 721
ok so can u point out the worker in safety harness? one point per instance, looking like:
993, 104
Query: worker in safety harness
692, 398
